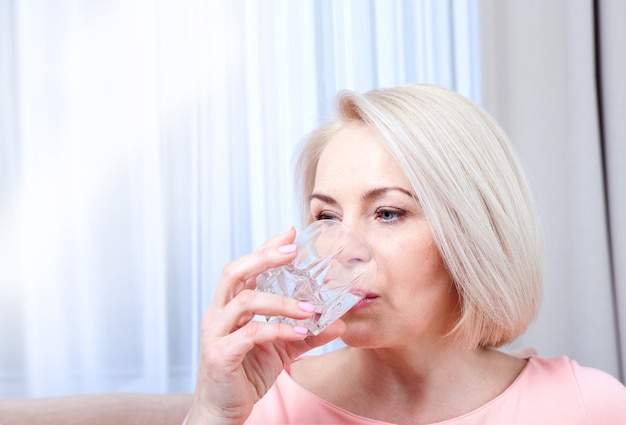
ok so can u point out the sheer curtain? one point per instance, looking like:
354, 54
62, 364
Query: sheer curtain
144, 144
553, 76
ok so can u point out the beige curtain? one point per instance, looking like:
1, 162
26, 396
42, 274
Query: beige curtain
553, 76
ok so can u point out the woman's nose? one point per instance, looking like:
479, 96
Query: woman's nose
356, 246
354, 263
344, 255
354, 250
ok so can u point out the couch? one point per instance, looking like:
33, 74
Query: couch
97, 409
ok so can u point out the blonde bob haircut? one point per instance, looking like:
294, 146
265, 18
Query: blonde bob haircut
471, 187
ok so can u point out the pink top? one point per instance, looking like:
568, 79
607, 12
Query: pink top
548, 391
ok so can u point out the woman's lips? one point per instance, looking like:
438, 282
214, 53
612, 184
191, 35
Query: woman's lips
365, 301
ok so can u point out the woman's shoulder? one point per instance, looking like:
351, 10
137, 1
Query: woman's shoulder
600, 394
562, 366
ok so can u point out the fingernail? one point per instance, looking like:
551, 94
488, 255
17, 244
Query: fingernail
305, 306
300, 330
287, 249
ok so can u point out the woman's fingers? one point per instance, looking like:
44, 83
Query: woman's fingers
229, 351
240, 274
248, 303
235, 346
233, 342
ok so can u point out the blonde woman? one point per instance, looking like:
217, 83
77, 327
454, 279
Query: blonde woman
430, 181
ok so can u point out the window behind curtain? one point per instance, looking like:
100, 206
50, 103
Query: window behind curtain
145, 144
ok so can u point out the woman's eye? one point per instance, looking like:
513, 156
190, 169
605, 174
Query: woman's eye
389, 215
327, 215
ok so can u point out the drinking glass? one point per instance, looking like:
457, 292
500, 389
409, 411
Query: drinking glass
333, 269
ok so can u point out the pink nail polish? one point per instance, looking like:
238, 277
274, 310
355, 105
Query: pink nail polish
305, 306
300, 330
287, 249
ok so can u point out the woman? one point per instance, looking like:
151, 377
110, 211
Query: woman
430, 181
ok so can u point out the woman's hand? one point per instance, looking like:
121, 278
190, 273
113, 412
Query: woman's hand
239, 358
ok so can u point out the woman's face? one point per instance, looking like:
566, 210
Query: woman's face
413, 300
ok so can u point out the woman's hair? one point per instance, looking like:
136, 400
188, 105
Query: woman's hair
471, 187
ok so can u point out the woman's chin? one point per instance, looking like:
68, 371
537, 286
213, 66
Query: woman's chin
358, 333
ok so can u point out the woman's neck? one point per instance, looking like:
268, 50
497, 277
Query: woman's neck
408, 386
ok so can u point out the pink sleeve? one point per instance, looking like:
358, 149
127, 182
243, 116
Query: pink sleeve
603, 395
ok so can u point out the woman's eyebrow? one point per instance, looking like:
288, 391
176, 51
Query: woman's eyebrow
324, 198
378, 192
367, 196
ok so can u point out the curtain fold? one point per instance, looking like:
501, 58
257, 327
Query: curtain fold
539, 81
145, 144
611, 34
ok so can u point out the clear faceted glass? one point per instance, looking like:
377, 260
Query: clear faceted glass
333, 270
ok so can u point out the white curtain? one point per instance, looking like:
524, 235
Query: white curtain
553, 75
144, 144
